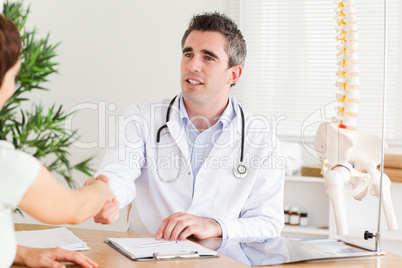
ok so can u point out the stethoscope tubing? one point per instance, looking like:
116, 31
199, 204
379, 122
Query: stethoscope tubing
158, 135
240, 170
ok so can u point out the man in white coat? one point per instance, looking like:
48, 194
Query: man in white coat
197, 165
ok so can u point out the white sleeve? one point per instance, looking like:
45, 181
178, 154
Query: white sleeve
262, 215
122, 163
17, 172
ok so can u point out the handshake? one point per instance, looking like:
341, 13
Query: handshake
110, 210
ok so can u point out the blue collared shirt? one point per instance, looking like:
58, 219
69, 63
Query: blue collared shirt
201, 144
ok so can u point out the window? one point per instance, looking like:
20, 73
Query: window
290, 69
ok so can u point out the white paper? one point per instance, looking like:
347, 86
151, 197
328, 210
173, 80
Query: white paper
130, 246
51, 238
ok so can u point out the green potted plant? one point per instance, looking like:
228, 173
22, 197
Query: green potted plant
38, 131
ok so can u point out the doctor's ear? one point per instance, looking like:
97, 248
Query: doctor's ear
235, 73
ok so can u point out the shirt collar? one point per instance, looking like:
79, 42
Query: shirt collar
182, 109
228, 114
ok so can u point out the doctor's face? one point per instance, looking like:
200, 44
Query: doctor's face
205, 73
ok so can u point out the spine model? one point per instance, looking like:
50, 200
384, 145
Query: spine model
348, 84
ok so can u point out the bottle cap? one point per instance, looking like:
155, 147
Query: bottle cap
286, 207
303, 214
294, 209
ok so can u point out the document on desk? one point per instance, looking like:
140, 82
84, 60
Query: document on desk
51, 238
140, 249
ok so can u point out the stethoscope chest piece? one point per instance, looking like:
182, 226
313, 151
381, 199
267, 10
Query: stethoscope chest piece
240, 171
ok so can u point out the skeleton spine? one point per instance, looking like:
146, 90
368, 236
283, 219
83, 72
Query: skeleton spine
348, 83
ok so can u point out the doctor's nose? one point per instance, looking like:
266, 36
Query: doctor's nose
194, 65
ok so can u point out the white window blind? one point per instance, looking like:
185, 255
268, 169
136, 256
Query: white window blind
290, 69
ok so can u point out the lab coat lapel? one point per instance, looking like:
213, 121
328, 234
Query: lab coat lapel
178, 133
179, 136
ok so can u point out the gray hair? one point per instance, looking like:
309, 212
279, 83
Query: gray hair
235, 44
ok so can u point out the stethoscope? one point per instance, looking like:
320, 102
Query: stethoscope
239, 170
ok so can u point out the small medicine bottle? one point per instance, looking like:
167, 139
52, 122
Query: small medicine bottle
303, 219
294, 217
287, 214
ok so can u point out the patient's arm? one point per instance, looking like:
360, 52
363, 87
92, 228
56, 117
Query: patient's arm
49, 201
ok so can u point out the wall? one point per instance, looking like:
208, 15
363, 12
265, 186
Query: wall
111, 53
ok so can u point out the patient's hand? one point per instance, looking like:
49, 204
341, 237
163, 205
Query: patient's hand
92, 180
51, 257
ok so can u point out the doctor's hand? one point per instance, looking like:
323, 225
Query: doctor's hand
51, 257
181, 225
110, 211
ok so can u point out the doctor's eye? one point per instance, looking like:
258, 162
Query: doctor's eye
188, 55
208, 58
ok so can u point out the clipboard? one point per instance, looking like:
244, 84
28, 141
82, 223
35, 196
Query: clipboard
185, 249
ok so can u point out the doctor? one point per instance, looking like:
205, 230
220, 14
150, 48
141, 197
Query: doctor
197, 164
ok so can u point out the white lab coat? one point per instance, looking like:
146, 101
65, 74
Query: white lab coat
249, 207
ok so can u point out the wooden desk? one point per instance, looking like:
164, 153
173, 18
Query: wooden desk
107, 257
